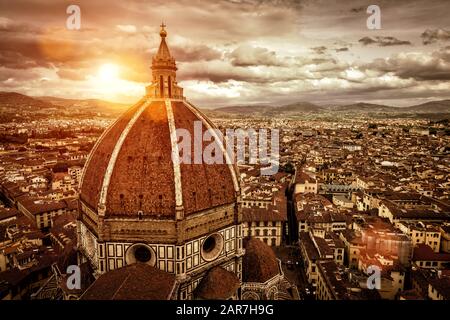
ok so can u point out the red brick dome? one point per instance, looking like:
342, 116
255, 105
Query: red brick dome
260, 263
130, 171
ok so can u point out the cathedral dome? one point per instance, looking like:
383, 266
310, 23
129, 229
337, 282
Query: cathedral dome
130, 172
260, 263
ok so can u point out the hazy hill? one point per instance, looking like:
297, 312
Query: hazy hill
364, 107
17, 100
89, 106
299, 107
294, 108
440, 106
93, 105
244, 109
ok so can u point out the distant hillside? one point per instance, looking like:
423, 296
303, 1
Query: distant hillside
440, 106
243, 109
299, 107
364, 107
93, 105
14, 100
17, 100
294, 108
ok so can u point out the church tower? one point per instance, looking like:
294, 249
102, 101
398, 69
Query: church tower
139, 207
164, 77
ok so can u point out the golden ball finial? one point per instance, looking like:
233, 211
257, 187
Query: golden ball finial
163, 32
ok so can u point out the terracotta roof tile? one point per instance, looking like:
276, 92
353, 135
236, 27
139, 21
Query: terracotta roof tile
260, 263
133, 282
218, 284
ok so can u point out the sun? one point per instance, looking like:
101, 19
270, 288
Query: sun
108, 72
109, 81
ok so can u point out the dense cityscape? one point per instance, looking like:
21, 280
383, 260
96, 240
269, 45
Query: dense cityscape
244, 153
350, 193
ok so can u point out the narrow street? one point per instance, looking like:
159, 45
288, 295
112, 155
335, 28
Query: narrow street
289, 253
293, 269
292, 237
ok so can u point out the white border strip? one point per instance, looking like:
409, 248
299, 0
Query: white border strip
175, 154
114, 155
216, 138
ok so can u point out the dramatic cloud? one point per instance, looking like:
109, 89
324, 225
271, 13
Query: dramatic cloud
230, 52
383, 41
70, 74
245, 55
358, 10
434, 66
127, 28
195, 53
431, 36
319, 50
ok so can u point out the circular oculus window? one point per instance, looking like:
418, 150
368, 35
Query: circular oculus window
142, 253
212, 247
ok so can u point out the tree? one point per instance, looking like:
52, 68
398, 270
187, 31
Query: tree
289, 168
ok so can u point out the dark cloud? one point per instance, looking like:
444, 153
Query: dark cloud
9, 25
18, 75
434, 35
223, 73
358, 9
283, 48
245, 56
195, 53
319, 50
383, 41
435, 66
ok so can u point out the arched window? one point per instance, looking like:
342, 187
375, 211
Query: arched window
169, 86
161, 86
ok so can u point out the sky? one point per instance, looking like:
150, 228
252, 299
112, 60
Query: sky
236, 52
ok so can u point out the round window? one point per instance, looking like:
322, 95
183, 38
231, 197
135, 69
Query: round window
140, 252
212, 247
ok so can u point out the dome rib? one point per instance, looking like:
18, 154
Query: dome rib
94, 168
113, 159
175, 156
134, 170
211, 128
